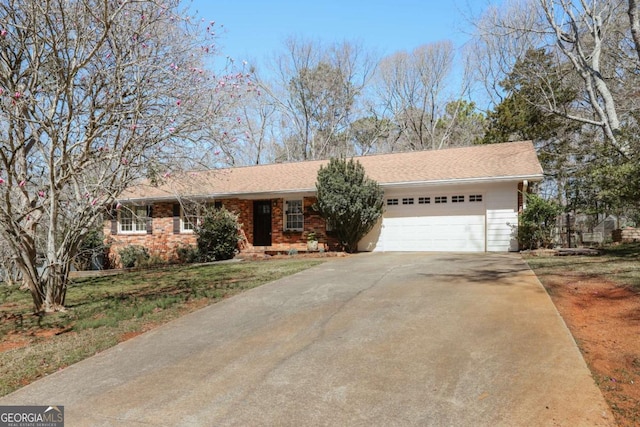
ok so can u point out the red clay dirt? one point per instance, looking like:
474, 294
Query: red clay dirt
604, 319
20, 339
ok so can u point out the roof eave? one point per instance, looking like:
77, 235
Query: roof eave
407, 184
455, 181
252, 195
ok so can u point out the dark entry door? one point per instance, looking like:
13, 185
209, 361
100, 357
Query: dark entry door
262, 223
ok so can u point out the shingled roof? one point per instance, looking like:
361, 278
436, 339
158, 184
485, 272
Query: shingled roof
494, 162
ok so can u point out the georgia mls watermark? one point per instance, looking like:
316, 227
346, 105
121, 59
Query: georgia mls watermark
31, 416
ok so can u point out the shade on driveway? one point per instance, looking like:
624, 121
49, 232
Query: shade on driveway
372, 339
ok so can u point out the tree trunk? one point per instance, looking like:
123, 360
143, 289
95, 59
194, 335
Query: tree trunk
37, 294
55, 284
635, 25
49, 288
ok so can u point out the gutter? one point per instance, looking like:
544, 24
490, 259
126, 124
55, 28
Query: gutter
406, 184
464, 181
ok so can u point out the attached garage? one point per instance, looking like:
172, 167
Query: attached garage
434, 223
469, 218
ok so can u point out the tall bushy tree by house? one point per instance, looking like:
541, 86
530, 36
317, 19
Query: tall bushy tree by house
348, 200
521, 115
94, 94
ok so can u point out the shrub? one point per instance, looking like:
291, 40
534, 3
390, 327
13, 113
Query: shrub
537, 222
134, 256
187, 254
218, 235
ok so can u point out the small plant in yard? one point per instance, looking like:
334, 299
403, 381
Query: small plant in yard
187, 254
312, 241
134, 256
218, 235
537, 222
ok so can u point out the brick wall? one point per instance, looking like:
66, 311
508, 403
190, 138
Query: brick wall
282, 240
627, 235
163, 242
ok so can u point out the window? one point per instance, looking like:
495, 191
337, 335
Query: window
133, 219
392, 202
424, 200
457, 199
294, 215
407, 201
190, 217
192, 213
441, 199
475, 198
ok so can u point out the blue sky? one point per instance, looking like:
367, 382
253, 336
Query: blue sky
255, 30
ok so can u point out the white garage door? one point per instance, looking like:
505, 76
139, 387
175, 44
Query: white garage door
454, 223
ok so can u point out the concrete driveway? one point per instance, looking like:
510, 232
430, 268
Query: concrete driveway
373, 339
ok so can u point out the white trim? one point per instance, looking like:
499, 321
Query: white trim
460, 181
285, 224
312, 191
134, 229
184, 230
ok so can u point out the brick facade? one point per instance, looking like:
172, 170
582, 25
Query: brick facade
163, 240
626, 235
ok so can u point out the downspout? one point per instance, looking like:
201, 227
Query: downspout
525, 190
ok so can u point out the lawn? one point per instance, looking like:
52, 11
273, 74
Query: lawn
103, 311
619, 264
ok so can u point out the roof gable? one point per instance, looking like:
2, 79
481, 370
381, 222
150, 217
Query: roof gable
511, 160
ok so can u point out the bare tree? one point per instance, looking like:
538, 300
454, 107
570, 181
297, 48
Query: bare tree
251, 139
94, 94
259, 136
414, 89
316, 92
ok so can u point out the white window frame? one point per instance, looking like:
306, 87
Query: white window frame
185, 220
195, 219
295, 217
475, 198
393, 201
138, 215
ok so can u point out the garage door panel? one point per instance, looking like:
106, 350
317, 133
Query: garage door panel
433, 233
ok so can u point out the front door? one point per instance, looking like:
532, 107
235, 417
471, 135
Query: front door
262, 223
